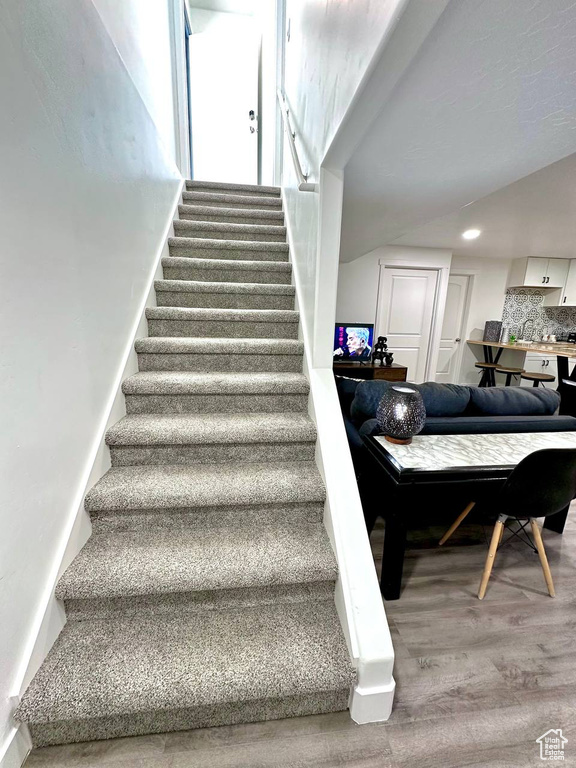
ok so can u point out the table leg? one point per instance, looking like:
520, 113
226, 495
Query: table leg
393, 557
557, 522
487, 354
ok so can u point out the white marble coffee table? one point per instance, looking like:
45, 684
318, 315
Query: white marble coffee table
434, 466
434, 453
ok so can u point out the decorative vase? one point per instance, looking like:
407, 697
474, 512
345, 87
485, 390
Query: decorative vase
401, 414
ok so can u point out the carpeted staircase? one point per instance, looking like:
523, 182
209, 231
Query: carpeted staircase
205, 595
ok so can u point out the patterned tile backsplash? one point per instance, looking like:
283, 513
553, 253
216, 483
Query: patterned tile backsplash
523, 304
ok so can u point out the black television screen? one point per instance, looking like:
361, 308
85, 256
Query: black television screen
353, 341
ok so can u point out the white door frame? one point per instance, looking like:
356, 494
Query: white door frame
440, 264
178, 12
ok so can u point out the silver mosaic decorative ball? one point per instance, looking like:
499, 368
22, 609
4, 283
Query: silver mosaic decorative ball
401, 413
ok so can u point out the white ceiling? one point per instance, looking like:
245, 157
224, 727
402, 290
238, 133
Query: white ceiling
489, 99
535, 216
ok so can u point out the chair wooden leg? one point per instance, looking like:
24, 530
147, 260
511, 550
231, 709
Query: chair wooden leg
490, 558
456, 523
501, 535
543, 559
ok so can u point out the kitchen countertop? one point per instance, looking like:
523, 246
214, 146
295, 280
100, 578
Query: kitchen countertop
536, 347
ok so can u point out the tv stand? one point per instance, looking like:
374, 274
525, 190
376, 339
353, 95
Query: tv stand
367, 370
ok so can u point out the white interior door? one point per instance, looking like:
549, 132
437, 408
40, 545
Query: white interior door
452, 329
406, 302
223, 91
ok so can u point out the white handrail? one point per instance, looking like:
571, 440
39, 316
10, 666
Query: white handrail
303, 184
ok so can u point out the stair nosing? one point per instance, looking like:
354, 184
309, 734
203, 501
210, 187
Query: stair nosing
209, 314
183, 383
231, 245
218, 286
242, 265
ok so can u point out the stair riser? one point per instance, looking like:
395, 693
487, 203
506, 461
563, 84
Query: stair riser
164, 721
254, 190
216, 403
192, 272
196, 602
222, 329
223, 218
230, 254
224, 362
215, 453
203, 517
183, 231
224, 300
194, 198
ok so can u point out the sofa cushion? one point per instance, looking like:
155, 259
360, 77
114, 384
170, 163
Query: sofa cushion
368, 395
439, 399
444, 399
512, 401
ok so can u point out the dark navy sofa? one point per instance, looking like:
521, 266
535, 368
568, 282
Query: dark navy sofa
452, 409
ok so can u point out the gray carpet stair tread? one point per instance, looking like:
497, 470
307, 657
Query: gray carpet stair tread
205, 485
238, 245
185, 383
104, 668
186, 559
238, 265
256, 188
230, 199
210, 428
226, 315
185, 226
186, 345
256, 213
198, 286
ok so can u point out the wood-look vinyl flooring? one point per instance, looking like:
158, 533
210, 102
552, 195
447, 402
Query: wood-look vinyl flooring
477, 682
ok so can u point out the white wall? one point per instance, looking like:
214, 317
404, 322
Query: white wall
142, 36
86, 189
486, 303
331, 46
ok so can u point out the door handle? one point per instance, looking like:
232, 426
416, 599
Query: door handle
252, 129
543, 280
547, 280
252, 115
457, 339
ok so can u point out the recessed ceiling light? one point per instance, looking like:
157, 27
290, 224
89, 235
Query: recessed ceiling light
471, 234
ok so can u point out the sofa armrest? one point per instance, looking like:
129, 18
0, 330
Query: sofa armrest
486, 425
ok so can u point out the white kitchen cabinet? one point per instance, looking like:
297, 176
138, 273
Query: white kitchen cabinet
569, 296
557, 273
539, 273
541, 364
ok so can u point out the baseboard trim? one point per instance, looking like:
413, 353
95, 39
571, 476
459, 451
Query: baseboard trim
17, 749
51, 618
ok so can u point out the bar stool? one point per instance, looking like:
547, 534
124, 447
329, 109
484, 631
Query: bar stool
509, 372
487, 379
537, 378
